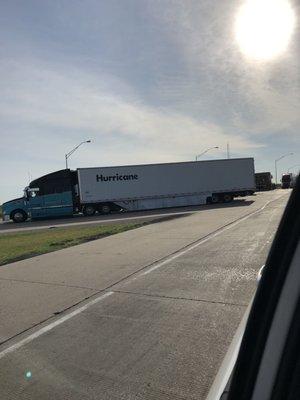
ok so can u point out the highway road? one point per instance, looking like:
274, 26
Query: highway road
145, 314
140, 216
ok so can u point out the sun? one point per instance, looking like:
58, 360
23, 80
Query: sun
263, 28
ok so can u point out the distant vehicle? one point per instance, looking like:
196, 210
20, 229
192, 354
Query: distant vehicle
133, 187
288, 180
263, 181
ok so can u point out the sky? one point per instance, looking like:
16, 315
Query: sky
145, 80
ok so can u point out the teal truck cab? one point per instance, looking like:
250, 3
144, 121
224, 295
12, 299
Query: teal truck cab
52, 195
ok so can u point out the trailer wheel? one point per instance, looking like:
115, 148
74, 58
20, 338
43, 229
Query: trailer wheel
19, 216
227, 198
215, 199
89, 210
105, 209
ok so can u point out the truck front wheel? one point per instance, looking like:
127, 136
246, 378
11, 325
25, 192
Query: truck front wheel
227, 198
19, 216
88, 210
215, 199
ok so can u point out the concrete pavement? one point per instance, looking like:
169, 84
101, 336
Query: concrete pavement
92, 267
179, 289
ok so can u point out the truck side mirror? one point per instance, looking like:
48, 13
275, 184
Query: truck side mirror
32, 192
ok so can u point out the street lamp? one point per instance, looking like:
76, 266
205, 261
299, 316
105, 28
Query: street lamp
278, 159
205, 151
293, 166
72, 151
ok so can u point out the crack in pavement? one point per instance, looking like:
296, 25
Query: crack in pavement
48, 283
181, 298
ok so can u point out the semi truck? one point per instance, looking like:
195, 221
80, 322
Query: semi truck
263, 181
288, 180
132, 187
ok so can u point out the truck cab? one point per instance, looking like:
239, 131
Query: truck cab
263, 181
51, 195
287, 181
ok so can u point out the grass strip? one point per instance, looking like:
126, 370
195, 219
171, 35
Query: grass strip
18, 246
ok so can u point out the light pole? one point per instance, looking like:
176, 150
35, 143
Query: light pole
278, 159
72, 151
293, 166
205, 151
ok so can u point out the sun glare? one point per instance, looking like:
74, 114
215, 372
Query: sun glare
263, 28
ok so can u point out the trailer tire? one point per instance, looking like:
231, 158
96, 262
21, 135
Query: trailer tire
19, 216
215, 199
105, 209
88, 210
227, 198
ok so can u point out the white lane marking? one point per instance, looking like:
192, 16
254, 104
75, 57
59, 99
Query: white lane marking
201, 241
52, 325
229, 360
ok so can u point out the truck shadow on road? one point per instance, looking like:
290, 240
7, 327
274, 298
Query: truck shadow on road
235, 203
165, 214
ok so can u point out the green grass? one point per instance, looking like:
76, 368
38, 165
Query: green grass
17, 246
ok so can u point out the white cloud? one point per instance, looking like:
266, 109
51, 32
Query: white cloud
46, 110
74, 101
277, 102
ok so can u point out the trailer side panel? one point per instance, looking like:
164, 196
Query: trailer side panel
133, 182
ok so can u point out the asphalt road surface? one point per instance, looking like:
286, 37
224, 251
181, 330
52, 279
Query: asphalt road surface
145, 314
139, 216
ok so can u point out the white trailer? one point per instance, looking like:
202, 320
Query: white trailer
150, 186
